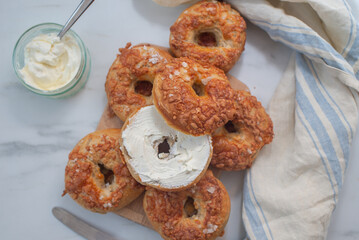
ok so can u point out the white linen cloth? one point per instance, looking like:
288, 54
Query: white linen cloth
292, 188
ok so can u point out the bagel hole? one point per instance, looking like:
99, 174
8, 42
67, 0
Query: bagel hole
198, 89
189, 207
144, 88
107, 173
229, 126
163, 149
207, 39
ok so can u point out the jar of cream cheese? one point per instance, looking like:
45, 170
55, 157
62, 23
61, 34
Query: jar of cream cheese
49, 66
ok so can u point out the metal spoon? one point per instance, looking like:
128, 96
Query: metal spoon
81, 8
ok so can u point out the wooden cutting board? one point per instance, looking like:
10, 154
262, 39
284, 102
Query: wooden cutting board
134, 211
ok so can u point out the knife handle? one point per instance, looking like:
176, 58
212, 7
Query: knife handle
79, 226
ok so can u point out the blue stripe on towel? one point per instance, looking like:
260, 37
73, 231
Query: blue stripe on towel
351, 26
279, 24
260, 208
253, 218
318, 42
321, 157
332, 99
320, 131
353, 52
328, 110
308, 40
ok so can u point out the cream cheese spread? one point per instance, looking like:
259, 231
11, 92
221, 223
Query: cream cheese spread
50, 63
180, 166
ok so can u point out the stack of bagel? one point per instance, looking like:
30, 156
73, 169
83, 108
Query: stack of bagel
180, 115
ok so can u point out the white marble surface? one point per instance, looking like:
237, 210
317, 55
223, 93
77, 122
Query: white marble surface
38, 133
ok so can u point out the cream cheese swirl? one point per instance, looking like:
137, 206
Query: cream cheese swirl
186, 159
51, 63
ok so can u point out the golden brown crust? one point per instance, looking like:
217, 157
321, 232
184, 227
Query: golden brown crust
85, 182
179, 104
135, 175
253, 129
139, 63
216, 18
167, 214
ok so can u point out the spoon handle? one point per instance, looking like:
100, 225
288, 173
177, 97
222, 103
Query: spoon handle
81, 8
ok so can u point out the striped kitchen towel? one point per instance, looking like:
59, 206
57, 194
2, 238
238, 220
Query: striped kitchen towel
292, 188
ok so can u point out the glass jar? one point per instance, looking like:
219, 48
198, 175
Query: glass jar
75, 84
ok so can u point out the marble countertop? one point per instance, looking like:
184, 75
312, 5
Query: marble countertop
37, 133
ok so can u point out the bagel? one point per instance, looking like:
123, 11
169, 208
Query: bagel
130, 79
161, 157
237, 143
200, 212
211, 32
96, 176
193, 98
